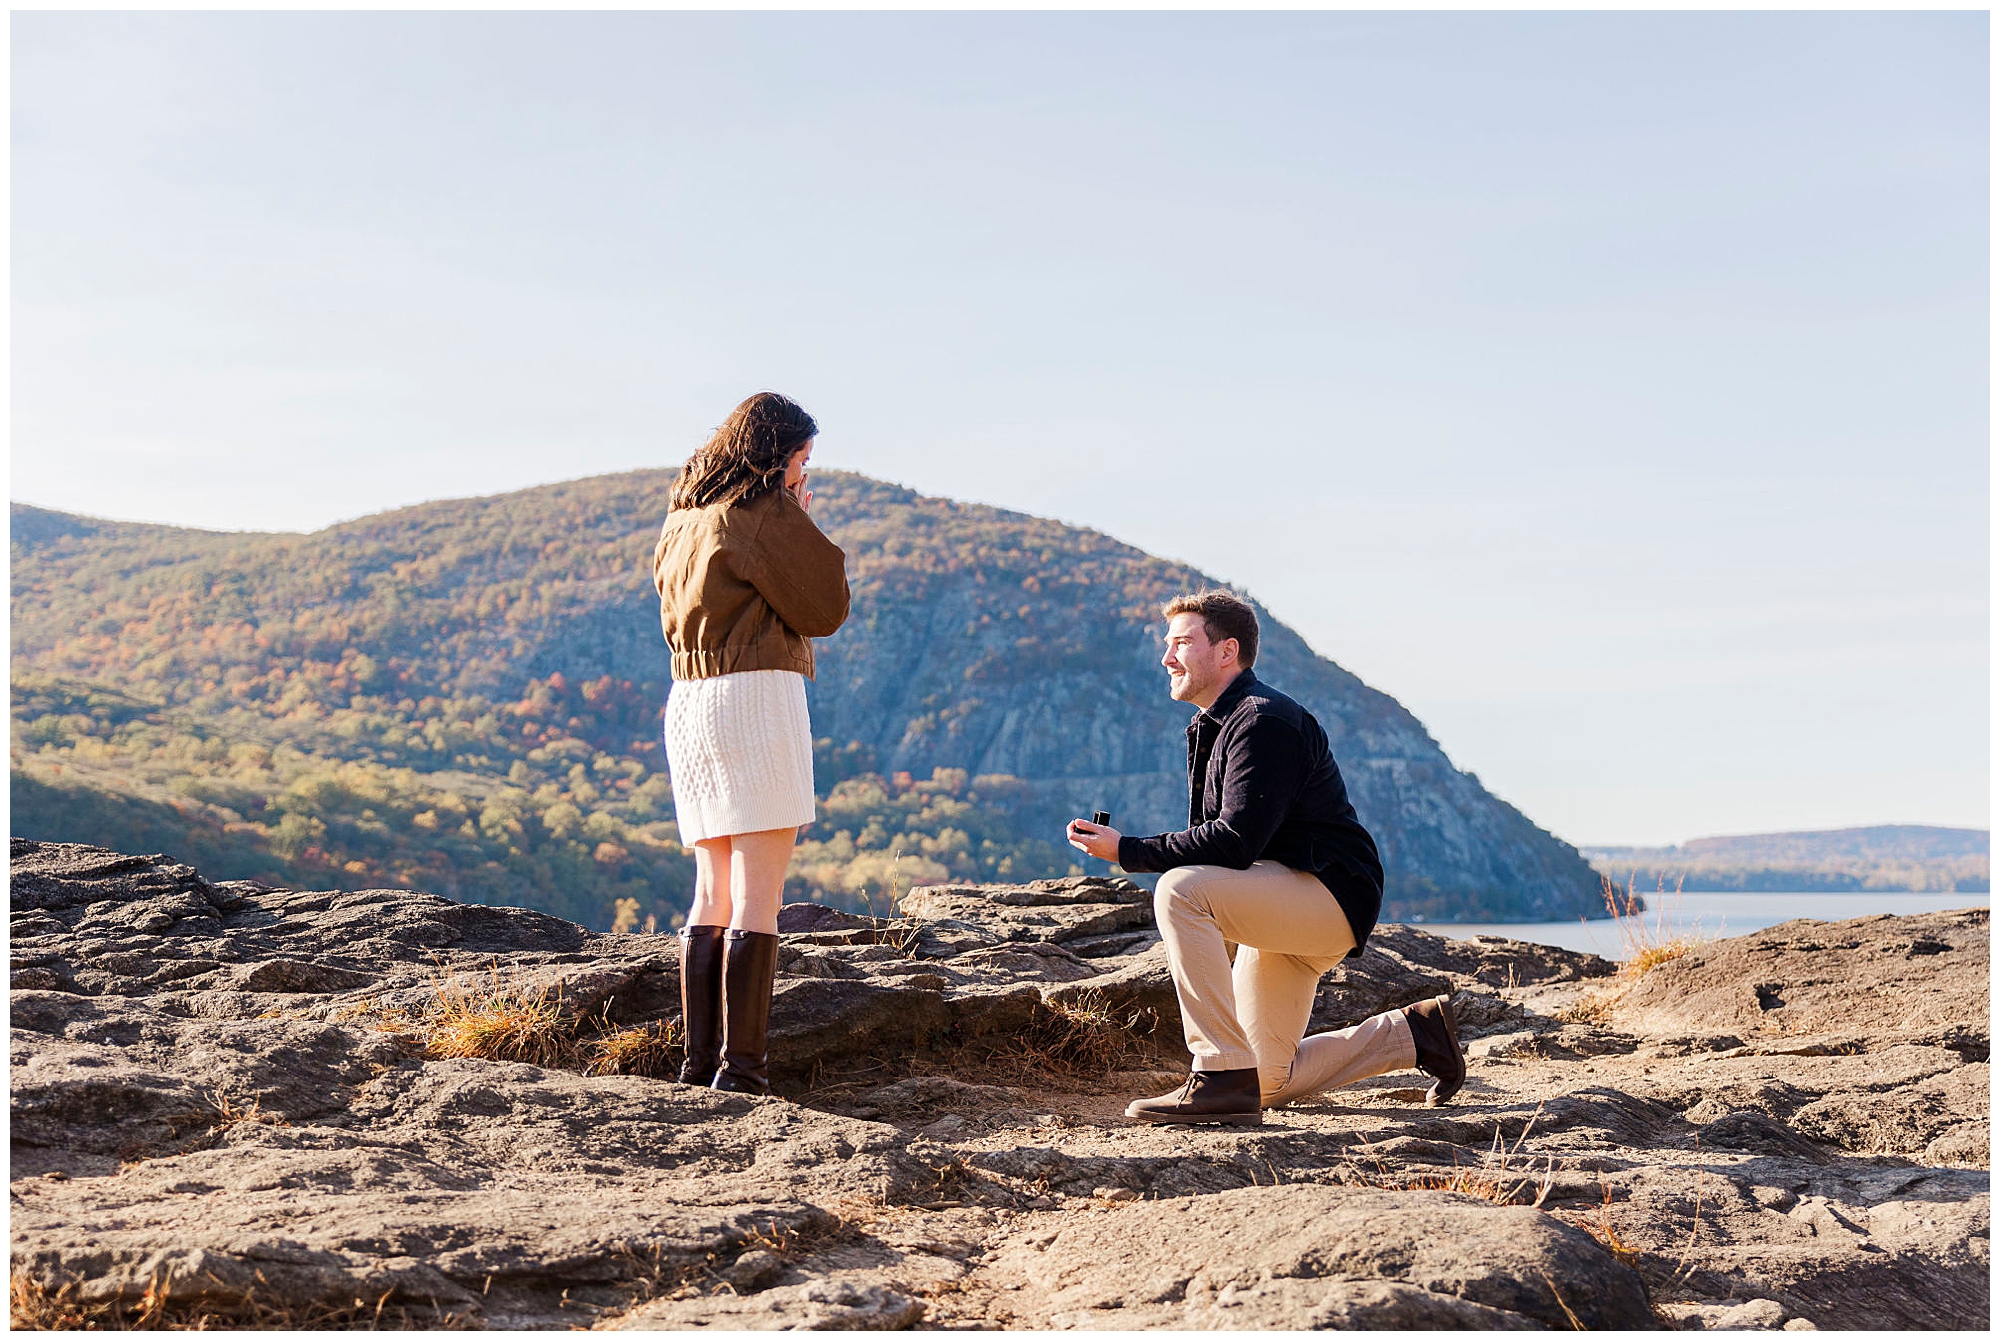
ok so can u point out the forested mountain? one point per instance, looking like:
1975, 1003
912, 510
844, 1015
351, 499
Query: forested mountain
1909, 857
464, 696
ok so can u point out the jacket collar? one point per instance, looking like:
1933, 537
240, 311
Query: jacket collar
1226, 704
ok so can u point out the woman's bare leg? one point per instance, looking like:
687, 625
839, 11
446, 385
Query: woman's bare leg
756, 868
712, 906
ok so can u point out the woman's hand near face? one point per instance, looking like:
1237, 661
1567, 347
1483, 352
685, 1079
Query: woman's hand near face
795, 476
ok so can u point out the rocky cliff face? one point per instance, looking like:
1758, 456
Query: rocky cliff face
1037, 655
231, 1107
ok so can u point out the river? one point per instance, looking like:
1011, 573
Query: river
1706, 915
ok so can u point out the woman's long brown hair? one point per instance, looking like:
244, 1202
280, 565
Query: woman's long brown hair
746, 456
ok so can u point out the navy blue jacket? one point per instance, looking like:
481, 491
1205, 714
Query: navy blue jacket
1263, 786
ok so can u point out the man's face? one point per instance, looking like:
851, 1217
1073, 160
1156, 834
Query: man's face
1197, 670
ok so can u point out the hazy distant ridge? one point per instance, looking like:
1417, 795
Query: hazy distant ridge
1887, 857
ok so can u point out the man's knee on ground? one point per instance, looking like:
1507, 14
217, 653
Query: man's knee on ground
1177, 892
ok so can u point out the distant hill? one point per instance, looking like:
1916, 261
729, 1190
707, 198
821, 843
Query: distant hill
464, 695
1887, 857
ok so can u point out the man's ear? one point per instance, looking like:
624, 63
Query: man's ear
1229, 651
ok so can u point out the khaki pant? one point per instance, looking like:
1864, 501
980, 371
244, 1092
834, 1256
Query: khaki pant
1288, 931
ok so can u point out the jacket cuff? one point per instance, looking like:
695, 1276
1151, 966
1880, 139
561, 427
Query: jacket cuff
1132, 855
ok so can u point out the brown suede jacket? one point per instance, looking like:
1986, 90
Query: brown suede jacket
747, 586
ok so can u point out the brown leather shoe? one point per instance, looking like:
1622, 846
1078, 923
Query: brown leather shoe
1435, 1030
1233, 1097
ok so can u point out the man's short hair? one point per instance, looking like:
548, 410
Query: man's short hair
1223, 616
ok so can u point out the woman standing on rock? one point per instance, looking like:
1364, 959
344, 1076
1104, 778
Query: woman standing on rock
746, 580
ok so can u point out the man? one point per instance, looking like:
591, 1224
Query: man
1275, 861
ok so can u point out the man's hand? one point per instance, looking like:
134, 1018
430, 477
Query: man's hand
1098, 840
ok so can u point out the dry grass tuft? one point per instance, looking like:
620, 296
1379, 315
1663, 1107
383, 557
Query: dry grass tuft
1499, 1187
1650, 958
655, 1273
33, 1305
808, 1236
500, 1022
201, 1128
1086, 1036
902, 935
230, 1112
1498, 1178
1065, 1046
1647, 946
1600, 1228
652, 1274
653, 1049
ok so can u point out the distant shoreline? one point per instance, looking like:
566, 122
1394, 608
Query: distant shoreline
1881, 858
1714, 915
1655, 880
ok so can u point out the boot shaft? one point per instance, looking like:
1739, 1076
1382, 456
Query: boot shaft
749, 966
701, 1001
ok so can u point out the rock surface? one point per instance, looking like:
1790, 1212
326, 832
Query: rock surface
237, 1093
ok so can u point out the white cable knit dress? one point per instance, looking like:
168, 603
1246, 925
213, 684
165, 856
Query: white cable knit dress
739, 753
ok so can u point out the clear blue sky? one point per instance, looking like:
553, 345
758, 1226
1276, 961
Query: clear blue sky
1611, 389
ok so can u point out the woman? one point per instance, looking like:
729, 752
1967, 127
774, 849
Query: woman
745, 581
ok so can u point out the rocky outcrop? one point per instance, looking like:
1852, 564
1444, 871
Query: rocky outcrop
233, 1098
1328, 1257
1879, 974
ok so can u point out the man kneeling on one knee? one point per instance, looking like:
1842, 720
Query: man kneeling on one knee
1275, 861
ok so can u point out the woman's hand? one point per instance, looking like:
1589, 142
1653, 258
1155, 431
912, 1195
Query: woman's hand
795, 475
1097, 840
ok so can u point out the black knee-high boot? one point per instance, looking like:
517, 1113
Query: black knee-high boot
701, 1002
749, 963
